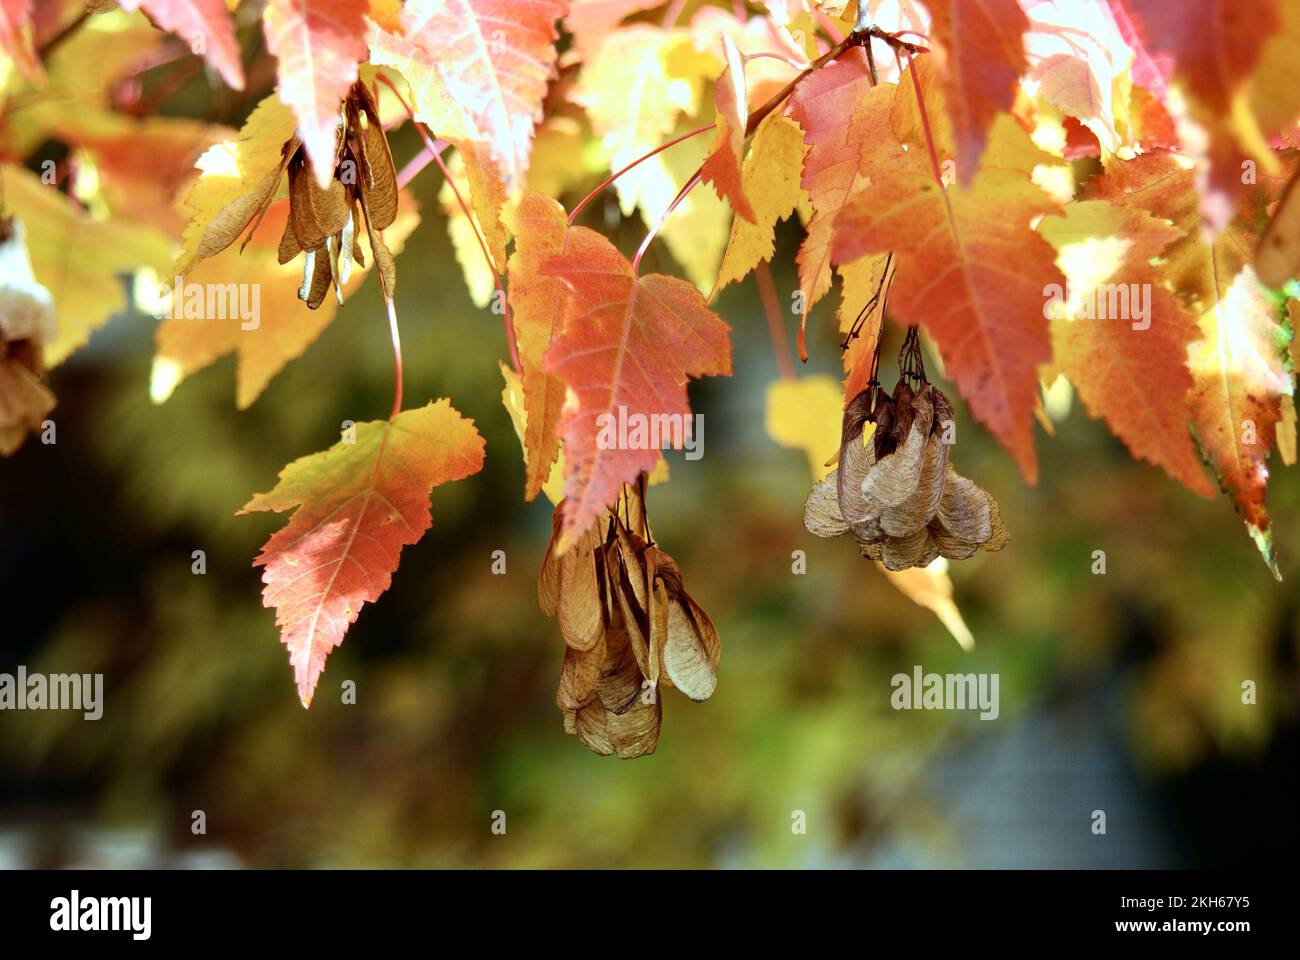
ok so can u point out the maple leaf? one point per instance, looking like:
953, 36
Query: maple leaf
866, 289
318, 44
1068, 83
16, 38
1275, 86
141, 165
633, 90
974, 274
1008, 145
494, 58
284, 327
512, 398
1239, 374
980, 47
722, 168
820, 104
430, 102
1241, 378
205, 22
626, 347
77, 258
355, 506
1215, 45
237, 177
538, 302
476, 182
770, 178
1130, 370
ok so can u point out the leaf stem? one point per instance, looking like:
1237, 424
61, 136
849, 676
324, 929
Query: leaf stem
614, 176
397, 356
650, 235
772, 307
414, 166
925, 117
432, 148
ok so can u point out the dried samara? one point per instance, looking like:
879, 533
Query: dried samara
894, 489
323, 221
629, 628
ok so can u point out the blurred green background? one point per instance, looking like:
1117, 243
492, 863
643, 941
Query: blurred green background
1119, 692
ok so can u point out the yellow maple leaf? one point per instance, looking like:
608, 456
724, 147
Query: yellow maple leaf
77, 258
236, 176
770, 178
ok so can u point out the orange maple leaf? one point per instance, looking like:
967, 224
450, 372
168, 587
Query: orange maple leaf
1128, 369
355, 506
821, 105
1239, 374
722, 168
981, 49
1215, 46
318, 44
537, 309
973, 272
627, 346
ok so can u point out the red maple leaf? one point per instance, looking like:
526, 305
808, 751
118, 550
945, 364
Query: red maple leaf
355, 506
204, 25
626, 349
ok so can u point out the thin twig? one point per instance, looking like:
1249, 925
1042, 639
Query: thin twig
772, 307
432, 148
397, 356
641, 159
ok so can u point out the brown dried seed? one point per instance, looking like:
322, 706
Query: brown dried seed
954, 548
315, 212
998, 536
821, 511
917, 510
635, 733
548, 581
316, 278
378, 178
900, 553
964, 509
581, 607
227, 225
578, 676
619, 684
693, 648
855, 460
24, 403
